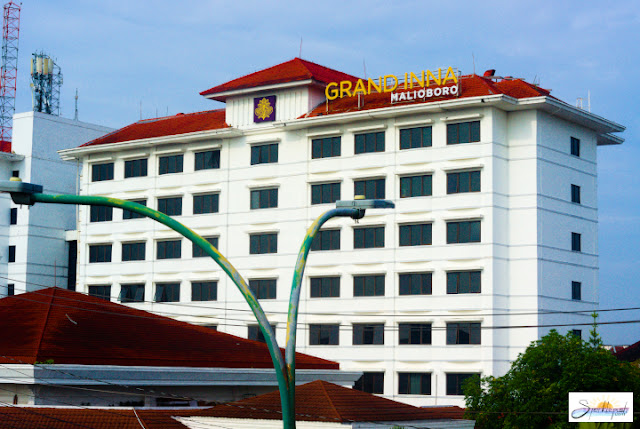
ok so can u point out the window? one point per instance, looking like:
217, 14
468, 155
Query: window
576, 242
254, 333
575, 146
325, 148
370, 382
207, 160
169, 249
264, 198
415, 186
463, 232
264, 154
100, 253
197, 252
100, 214
133, 251
206, 203
263, 288
103, 291
368, 333
11, 289
132, 293
455, 382
414, 383
415, 284
464, 181
411, 138
368, 237
463, 132
463, 333
325, 287
370, 285
13, 216
325, 193
170, 206
126, 214
135, 168
15, 173
369, 142
576, 291
415, 235
577, 333
575, 194
100, 172
414, 333
167, 292
326, 240
171, 164
204, 291
463, 282
263, 243
370, 188
324, 335
12, 254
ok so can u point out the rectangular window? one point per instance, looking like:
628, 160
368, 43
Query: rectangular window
170, 206
102, 291
15, 173
13, 216
463, 132
415, 235
415, 283
415, 186
577, 333
264, 198
100, 214
324, 335
11, 289
135, 168
463, 282
197, 252
170, 164
133, 251
167, 292
576, 242
463, 232
576, 291
325, 193
368, 334
463, 333
327, 147
414, 333
414, 383
169, 249
264, 154
263, 243
207, 160
100, 253
100, 172
455, 382
126, 214
370, 382
12, 254
206, 203
464, 181
254, 333
575, 146
326, 240
411, 138
370, 188
370, 285
575, 194
132, 293
325, 287
369, 142
204, 291
263, 288
368, 237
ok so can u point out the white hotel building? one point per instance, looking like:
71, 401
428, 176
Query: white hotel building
492, 242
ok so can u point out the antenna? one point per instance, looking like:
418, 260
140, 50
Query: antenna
473, 59
364, 66
8, 72
75, 117
300, 52
46, 80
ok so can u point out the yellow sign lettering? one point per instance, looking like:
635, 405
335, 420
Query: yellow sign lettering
345, 87
330, 92
395, 83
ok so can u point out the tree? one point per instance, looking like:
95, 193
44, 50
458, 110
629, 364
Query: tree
534, 392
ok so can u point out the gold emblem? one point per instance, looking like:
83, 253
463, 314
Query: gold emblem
264, 109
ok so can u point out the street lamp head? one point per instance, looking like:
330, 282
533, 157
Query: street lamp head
365, 204
20, 192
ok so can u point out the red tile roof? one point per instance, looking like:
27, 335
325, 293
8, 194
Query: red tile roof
72, 328
294, 70
629, 354
323, 401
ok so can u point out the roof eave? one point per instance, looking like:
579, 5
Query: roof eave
222, 96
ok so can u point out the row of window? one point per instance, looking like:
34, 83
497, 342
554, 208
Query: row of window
412, 383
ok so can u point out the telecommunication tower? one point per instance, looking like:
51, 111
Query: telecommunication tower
46, 79
8, 72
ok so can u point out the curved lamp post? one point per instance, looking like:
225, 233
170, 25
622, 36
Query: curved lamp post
29, 194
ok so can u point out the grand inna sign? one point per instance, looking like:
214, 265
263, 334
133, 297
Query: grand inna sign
426, 85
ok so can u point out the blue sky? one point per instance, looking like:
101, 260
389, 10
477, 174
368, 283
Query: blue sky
155, 57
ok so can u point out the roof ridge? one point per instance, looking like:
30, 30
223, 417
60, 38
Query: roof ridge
326, 394
46, 321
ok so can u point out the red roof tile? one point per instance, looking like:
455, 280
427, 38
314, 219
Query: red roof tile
629, 354
72, 328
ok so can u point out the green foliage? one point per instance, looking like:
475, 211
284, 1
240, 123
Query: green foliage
44, 362
534, 393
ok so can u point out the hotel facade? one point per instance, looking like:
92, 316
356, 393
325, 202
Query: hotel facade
492, 242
